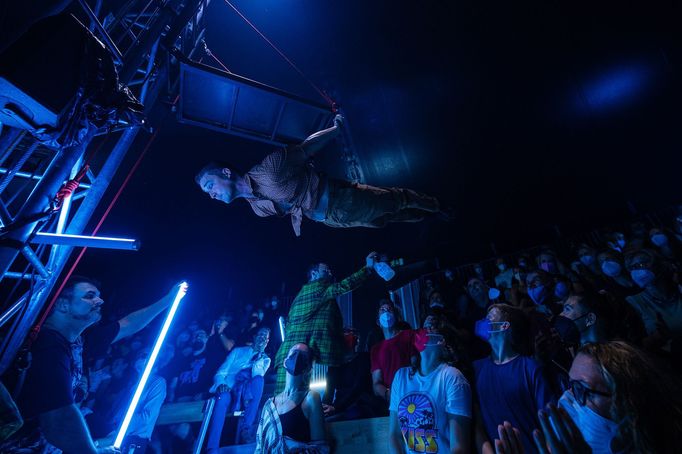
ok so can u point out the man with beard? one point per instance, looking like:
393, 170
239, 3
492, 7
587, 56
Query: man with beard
239, 384
47, 400
315, 319
285, 183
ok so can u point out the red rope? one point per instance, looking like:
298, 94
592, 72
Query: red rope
36, 329
321, 92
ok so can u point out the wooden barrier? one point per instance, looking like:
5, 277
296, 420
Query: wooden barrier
346, 437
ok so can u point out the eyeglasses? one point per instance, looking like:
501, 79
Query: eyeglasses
580, 392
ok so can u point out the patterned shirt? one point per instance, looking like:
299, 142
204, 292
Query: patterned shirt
315, 319
285, 183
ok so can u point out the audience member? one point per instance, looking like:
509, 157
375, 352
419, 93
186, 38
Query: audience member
430, 408
315, 318
391, 354
52, 417
238, 384
510, 386
293, 420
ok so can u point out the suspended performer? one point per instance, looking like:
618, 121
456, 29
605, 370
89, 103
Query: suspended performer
286, 183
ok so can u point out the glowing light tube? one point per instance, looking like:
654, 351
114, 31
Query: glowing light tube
281, 327
86, 241
150, 364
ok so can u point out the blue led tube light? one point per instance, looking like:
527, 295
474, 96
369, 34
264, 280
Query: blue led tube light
150, 364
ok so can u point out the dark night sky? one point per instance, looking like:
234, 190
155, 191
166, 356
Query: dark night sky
519, 116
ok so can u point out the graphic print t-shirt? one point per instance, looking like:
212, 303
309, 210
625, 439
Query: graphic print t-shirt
422, 402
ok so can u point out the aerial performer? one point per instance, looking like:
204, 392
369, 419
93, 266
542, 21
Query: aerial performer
286, 183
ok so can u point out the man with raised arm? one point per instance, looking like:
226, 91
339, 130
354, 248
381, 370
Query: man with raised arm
286, 183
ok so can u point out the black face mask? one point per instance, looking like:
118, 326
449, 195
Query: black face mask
197, 345
298, 362
567, 329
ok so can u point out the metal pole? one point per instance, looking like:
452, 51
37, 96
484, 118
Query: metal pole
32, 176
102, 32
9, 138
38, 201
208, 412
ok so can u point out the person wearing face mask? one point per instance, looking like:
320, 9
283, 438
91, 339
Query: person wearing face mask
503, 279
510, 386
661, 240
591, 315
430, 408
392, 353
540, 287
238, 384
611, 266
293, 421
659, 304
547, 262
622, 402
315, 319
616, 241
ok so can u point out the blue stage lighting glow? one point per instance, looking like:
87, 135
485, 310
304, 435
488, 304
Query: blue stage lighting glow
150, 364
616, 87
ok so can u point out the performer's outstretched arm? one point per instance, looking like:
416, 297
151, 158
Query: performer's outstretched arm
318, 140
354, 280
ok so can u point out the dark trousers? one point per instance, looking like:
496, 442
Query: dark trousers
361, 205
249, 395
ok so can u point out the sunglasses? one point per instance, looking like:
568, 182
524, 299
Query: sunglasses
580, 392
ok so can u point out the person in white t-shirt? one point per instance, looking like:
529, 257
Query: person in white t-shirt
430, 402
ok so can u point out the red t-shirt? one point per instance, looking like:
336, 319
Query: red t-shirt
389, 355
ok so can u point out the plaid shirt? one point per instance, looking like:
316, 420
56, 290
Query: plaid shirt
315, 319
285, 183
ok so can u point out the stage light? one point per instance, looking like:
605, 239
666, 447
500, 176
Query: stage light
318, 384
281, 327
86, 241
150, 364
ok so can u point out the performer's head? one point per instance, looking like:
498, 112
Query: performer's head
219, 181
319, 271
298, 365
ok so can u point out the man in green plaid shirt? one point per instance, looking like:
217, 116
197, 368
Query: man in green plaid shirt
315, 318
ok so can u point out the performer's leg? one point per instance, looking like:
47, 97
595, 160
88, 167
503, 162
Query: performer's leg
215, 428
358, 205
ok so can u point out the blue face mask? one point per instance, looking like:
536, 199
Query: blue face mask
642, 277
561, 290
484, 328
611, 268
386, 320
659, 239
587, 260
595, 429
537, 294
493, 293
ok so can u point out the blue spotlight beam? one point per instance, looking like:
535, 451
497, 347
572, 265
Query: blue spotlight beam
150, 364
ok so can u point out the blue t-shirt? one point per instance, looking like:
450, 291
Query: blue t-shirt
512, 392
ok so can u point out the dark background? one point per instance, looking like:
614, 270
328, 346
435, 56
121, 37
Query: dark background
521, 116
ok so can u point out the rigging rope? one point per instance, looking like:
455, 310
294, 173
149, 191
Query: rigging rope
321, 92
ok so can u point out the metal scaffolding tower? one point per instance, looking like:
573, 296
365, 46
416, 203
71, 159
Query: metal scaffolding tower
141, 36
152, 44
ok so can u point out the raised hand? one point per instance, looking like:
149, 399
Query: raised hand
559, 433
509, 441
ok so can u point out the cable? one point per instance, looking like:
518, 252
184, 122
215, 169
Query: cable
321, 92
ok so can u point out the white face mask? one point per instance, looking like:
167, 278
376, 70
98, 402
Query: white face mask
597, 430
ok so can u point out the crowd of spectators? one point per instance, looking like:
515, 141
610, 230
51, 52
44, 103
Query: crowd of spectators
566, 349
